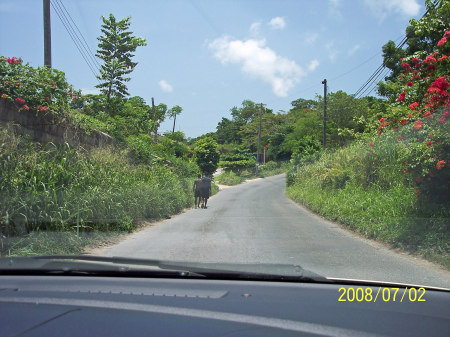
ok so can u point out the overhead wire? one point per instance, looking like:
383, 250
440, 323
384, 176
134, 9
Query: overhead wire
87, 48
73, 36
372, 82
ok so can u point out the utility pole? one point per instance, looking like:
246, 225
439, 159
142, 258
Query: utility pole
259, 136
154, 117
47, 35
324, 82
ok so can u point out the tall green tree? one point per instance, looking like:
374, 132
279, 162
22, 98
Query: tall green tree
206, 155
173, 112
116, 48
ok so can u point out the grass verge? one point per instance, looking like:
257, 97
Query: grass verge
231, 178
387, 210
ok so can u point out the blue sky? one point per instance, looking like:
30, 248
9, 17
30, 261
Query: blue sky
209, 55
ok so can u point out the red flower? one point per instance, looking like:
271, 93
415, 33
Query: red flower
403, 122
405, 65
17, 84
442, 120
429, 143
371, 143
414, 60
26, 107
440, 83
416, 191
409, 84
410, 115
442, 42
44, 108
418, 125
414, 105
20, 100
401, 98
382, 119
405, 171
439, 164
429, 59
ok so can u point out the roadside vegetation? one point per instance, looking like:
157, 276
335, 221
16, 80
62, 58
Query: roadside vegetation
392, 182
385, 170
55, 199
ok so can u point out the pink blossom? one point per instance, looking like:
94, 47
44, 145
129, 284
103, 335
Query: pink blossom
20, 100
442, 42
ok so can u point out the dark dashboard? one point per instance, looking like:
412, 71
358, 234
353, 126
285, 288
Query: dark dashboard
124, 306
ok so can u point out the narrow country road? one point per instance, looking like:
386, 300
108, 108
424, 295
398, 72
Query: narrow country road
256, 223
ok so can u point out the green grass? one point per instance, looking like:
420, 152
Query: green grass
371, 197
231, 178
55, 243
48, 188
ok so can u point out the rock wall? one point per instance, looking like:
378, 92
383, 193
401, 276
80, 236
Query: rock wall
43, 127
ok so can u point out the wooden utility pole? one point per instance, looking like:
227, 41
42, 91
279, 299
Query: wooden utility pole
259, 136
154, 118
259, 133
324, 82
47, 35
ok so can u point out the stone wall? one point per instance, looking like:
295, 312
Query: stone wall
43, 127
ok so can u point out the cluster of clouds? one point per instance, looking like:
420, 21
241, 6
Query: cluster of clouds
259, 61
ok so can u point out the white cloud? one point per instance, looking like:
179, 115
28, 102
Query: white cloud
277, 23
383, 8
255, 26
332, 52
93, 91
259, 61
313, 65
353, 49
311, 37
165, 86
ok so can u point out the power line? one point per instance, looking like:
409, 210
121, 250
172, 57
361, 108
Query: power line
91, 54
73, 36
372, 82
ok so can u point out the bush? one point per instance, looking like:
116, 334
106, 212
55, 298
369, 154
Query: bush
39, 89
56, 187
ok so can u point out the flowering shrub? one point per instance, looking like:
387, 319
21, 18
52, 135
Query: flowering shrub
420, 118
37, 89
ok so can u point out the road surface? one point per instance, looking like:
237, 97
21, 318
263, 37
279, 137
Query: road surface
256, 223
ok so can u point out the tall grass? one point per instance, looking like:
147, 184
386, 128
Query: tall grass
368, 191
57, 188
231, 178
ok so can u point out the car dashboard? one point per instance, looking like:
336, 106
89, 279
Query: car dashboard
133, 306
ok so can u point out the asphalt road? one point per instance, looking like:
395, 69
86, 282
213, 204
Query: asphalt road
256, 223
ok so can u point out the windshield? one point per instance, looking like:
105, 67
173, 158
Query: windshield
277, 135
